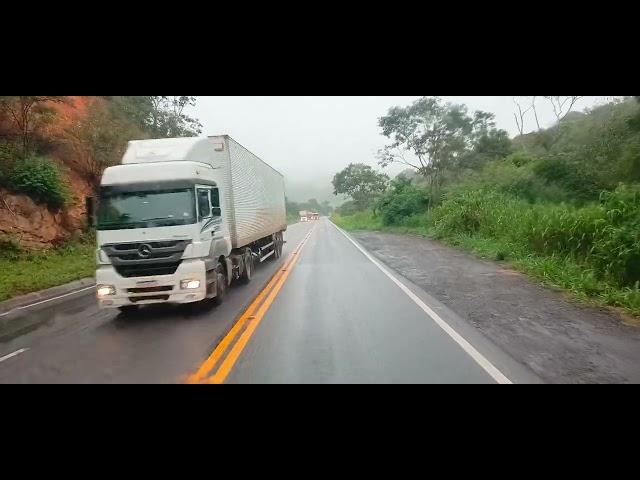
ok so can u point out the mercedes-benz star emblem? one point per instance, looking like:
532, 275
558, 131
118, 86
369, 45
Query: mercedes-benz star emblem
144, 251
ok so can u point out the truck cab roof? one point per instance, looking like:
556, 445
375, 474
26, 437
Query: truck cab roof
148, 173
193, 149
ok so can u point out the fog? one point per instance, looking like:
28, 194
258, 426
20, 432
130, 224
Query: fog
310, 138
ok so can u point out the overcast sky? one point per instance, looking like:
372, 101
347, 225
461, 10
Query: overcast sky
314, 137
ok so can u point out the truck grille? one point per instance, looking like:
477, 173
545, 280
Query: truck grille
135, 246
149, 289
145, 259
149, 297
147, 270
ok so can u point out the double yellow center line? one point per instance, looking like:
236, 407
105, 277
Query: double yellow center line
223, 358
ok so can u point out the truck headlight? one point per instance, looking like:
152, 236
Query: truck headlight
189, 284
105, 290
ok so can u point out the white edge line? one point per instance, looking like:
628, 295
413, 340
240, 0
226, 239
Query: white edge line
47, 300
480, 359
17, 352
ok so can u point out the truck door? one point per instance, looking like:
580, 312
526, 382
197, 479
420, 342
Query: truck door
209, 214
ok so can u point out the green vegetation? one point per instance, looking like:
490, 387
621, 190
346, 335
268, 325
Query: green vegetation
361, 182
26, 271
90, 136
44, 138
561, 204
40, 178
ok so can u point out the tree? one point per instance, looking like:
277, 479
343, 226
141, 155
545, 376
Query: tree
485, 142
99, 139
521, 113
429, 131
361, 182
436, 136
562, 105
29, 113
535, 111
168, 118
160, 116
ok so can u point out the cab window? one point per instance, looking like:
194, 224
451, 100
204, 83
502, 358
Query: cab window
215, 202
204, 204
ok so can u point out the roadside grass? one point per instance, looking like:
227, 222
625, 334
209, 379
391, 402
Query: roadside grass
555, 271
366, 220
30, 271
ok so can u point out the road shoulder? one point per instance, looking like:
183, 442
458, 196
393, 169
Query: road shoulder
13, 318
559, 340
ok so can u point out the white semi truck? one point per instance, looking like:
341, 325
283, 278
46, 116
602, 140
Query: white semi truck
182, 218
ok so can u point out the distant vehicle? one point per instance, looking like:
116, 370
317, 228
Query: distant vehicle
306, 216
182, 218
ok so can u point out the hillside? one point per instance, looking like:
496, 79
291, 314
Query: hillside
562, 204
53, 151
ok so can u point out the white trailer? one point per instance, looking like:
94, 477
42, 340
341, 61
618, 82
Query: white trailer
182, 218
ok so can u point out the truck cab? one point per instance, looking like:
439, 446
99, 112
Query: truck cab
160, 229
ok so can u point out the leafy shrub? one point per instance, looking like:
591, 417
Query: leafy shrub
9, 248
520, 159
604, 236
402, 200
8, 154
515, 175
572, 178
617, 244
40, 178
349, 208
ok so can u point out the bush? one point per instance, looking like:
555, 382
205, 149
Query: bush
349, 208
616, 246
8, 154
40, 178
9, 248
515, 175
604, 236
403, 200
571, 178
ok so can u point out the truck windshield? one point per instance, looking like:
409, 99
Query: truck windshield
146, 209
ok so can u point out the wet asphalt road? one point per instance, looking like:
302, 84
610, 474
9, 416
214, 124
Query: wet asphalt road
77, 343
337, 319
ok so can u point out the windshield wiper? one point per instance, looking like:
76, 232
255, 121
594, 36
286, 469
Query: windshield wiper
167, 221
158, 218
118, 225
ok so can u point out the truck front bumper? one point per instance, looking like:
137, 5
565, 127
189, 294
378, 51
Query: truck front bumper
149, 290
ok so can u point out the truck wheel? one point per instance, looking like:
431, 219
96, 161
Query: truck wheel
278, 253
277, 245
221, 285
248, 267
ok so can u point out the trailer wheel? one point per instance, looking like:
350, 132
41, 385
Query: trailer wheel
221, 284
247, 272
